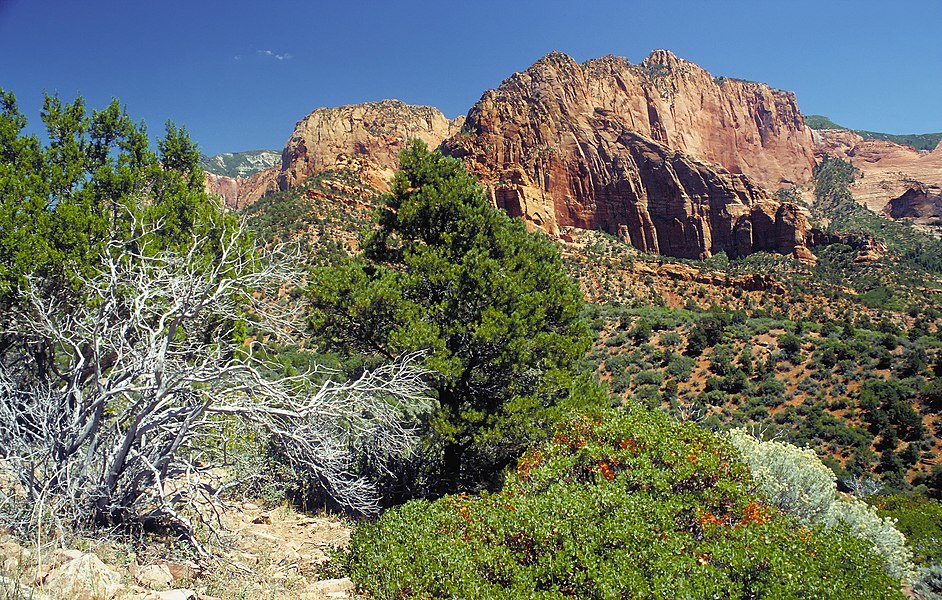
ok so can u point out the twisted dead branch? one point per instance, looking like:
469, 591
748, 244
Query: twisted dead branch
113, 424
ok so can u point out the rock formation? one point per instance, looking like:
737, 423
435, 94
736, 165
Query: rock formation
746, 127
607, 145
896, 180
375, 130
241, 164
921, 203
371, 135
238, 192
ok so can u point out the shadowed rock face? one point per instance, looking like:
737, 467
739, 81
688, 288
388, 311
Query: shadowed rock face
591, 146
923, 204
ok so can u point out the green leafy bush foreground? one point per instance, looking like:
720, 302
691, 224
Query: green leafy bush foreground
630, 504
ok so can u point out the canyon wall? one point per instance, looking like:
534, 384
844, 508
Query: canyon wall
896, 181
609, 145
238, 192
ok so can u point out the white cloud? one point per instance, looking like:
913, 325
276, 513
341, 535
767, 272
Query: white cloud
275, 55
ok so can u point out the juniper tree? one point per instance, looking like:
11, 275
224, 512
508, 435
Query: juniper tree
447, 272
122, 286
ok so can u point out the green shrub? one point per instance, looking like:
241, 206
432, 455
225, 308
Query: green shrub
790, 344
630, 504
649, 377
670, 339
680, 367
920, 520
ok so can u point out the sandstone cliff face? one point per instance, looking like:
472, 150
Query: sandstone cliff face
238, 192
897, 181
371, 135
606, 145
746, 127
376, 131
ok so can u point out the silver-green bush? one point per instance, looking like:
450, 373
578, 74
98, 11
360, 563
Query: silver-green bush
796, 481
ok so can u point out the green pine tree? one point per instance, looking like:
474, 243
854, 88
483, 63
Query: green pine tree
491, 304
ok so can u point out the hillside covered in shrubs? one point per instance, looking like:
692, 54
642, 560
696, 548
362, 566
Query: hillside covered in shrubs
424, 364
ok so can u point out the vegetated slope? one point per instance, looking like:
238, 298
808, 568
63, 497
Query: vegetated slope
240, 164
866, 314
918, 141
789, 314
805, 350
327, 214
841, 356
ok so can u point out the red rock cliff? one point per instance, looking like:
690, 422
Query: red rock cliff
606, 145
238, 192
746, 127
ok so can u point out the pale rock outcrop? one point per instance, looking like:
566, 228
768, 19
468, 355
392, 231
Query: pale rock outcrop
154, 576
377, 131
84, 577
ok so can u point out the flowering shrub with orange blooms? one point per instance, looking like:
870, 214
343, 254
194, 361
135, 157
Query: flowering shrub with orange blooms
628, 503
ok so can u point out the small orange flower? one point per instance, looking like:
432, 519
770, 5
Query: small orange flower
755, 513
708, 518
606, 470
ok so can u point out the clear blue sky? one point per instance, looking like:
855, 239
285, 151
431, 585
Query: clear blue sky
239, 74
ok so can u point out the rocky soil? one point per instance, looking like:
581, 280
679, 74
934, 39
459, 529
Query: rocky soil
276, 553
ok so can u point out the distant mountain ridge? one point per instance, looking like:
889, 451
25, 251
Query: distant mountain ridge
919, 141
240, 164
661, 153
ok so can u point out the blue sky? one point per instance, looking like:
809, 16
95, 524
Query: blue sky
238, 74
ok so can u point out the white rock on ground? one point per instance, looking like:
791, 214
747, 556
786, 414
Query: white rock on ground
85, 577
154, 576
334, 588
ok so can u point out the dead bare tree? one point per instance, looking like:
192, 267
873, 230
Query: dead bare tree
144, 372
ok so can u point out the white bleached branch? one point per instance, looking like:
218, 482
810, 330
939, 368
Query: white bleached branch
143, 370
